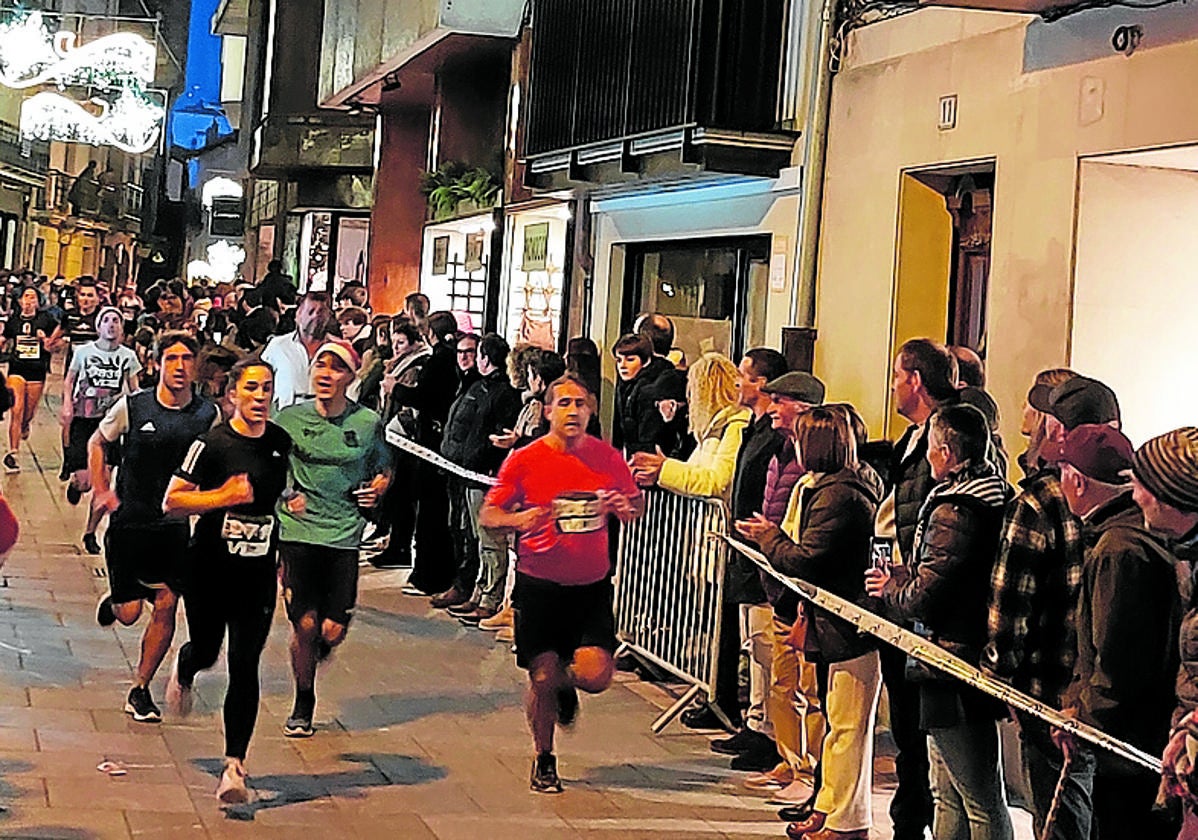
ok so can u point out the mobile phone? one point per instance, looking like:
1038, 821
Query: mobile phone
881, 553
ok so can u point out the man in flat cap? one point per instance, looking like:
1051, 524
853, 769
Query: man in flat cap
1165, 486
792, 703
1128, 612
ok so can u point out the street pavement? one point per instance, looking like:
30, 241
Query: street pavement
420, 729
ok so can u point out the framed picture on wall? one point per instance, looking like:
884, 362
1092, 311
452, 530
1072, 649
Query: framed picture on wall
474, 251
441, 255
536, 247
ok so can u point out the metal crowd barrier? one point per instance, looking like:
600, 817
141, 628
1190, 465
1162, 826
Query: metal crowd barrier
669, 582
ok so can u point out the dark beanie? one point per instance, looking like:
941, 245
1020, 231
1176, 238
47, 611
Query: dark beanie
1167, 466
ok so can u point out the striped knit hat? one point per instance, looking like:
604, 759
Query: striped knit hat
1167, 466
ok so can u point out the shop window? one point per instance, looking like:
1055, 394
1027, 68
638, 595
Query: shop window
704, 286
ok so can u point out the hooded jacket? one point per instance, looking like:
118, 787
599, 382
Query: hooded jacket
946, 586
1128, 614
831, 551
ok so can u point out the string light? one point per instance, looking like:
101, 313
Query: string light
131, 123
118, 66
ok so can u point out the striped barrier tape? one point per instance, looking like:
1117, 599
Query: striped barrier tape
436, 459
920, 648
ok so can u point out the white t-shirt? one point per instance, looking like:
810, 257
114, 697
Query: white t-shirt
100, 377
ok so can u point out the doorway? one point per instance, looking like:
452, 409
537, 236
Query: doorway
942, 271
714, 290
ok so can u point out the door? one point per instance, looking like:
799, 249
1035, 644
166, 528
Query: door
712, 289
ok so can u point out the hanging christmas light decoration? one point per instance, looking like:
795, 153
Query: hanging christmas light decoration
131, 123
115, 68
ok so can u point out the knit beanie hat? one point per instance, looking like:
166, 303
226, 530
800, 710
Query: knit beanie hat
1167, 466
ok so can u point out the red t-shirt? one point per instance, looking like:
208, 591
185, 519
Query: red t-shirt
572, 549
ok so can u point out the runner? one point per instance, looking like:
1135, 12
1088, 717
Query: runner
144, 549
557, 493
29, 336
98, 374
231, 478
339, 467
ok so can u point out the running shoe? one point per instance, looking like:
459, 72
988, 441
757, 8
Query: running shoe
141, 705
298, 726
91, 544
179, 697
10, 463
105, 617
567, 706
232, 789
74, 494
544, 777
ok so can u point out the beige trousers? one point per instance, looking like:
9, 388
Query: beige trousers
848, 756
794, 707
756, 634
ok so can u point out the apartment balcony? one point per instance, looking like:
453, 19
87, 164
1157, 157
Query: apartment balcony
657, 88
21, 159
113, 206
312, 141
396, 46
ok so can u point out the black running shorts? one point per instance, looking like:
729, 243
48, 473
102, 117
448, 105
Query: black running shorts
74, 456
319, 579
559, 618
143, 559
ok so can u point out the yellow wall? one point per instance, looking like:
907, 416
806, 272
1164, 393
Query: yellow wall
883, 121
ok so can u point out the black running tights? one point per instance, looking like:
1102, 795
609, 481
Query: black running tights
242, 599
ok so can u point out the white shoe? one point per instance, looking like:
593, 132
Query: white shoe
232, 789
179, 697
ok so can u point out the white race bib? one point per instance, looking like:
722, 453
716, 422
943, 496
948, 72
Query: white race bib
247, 536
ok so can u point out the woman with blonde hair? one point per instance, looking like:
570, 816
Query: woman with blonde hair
716, 420
824, 540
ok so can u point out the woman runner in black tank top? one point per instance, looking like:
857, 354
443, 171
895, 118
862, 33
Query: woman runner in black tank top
232, 478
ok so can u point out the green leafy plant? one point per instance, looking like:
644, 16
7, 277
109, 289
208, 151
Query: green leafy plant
453, 183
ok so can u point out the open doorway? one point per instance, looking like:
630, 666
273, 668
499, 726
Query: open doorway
942, 269
1135, 287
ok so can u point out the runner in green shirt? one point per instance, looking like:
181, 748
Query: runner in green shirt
339, 467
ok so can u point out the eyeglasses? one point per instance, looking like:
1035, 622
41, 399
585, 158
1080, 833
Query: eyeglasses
467, 351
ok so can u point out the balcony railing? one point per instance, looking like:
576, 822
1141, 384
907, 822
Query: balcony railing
650, 66
659, 89
33, 156
106, 203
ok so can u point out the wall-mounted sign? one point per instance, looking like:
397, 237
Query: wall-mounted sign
536, 247
474, 251
116, 69
441, 255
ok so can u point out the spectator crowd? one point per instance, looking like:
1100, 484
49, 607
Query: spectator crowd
1074, 585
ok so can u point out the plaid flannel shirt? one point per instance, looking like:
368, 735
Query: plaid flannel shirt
1034, 588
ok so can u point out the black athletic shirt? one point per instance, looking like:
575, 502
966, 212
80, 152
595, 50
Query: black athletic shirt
154, 440
81, 328
246, 531
29, 357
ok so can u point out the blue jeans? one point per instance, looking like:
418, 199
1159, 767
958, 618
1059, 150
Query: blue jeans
969, 799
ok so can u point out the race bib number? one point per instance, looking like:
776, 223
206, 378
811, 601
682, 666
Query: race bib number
247, 536
578, 514
29, 348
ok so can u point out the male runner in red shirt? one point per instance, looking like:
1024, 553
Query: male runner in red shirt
557, 494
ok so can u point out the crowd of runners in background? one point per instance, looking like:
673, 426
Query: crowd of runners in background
264, 416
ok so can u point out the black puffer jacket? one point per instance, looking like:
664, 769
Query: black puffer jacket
759, 443
487, 407
911, 478
946, 587
836, 518
638, 424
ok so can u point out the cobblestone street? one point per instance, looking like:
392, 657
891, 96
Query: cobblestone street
420, 727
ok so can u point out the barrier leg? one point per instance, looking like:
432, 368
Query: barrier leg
669, 714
